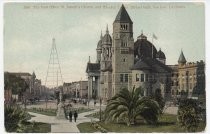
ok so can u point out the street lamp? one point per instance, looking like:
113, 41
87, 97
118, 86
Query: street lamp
100, 109
46, 100
77, 87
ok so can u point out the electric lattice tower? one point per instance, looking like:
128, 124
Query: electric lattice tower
54, 76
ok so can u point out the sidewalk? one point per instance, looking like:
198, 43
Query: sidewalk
171, 110
63, 126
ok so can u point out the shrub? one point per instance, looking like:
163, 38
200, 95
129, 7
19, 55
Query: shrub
99, 127
15, 118
127, 105
189, 115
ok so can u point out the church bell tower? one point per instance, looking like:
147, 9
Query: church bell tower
123, 56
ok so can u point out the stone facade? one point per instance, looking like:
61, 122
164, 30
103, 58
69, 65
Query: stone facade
188, 78
123, 45
123, 63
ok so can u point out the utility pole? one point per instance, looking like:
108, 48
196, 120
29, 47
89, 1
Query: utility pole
80, 88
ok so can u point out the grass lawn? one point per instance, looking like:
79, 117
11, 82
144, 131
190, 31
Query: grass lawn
36, 127
52, 112
167, 123
49, 112
86, 128
96, 115
79, 110
39, 128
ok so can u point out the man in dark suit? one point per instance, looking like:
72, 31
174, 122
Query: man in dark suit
75, 116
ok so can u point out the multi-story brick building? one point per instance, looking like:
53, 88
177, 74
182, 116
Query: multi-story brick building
188, 78
78, 89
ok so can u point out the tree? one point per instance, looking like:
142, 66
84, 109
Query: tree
159, 98
183, 94
16, 84
189, 114
128, 105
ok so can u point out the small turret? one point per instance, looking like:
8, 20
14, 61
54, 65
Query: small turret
107, 30
33, 75
182, 59
161, 56
99, 49
107, 39
106, 55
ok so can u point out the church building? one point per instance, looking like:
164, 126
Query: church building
125, 63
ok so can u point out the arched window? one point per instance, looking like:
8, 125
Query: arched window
123, 27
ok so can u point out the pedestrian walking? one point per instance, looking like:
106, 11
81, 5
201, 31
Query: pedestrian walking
70, 116
94, 103
75, 116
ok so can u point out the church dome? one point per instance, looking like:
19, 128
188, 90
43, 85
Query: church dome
143, 48
107, 39
99, 46
160, 55
142, 36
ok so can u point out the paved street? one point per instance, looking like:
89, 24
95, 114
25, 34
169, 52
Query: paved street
63, 125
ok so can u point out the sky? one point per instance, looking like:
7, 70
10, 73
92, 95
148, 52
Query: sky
76, 27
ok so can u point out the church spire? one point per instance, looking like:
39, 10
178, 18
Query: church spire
53, 40
101, 35
123, 16
33, 75
107, 30
182, 59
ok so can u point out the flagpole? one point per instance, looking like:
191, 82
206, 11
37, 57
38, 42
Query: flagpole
152, 46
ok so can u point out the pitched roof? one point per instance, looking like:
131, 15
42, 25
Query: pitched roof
123, 16
182, 58
151, 64
141, 65
93, 67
